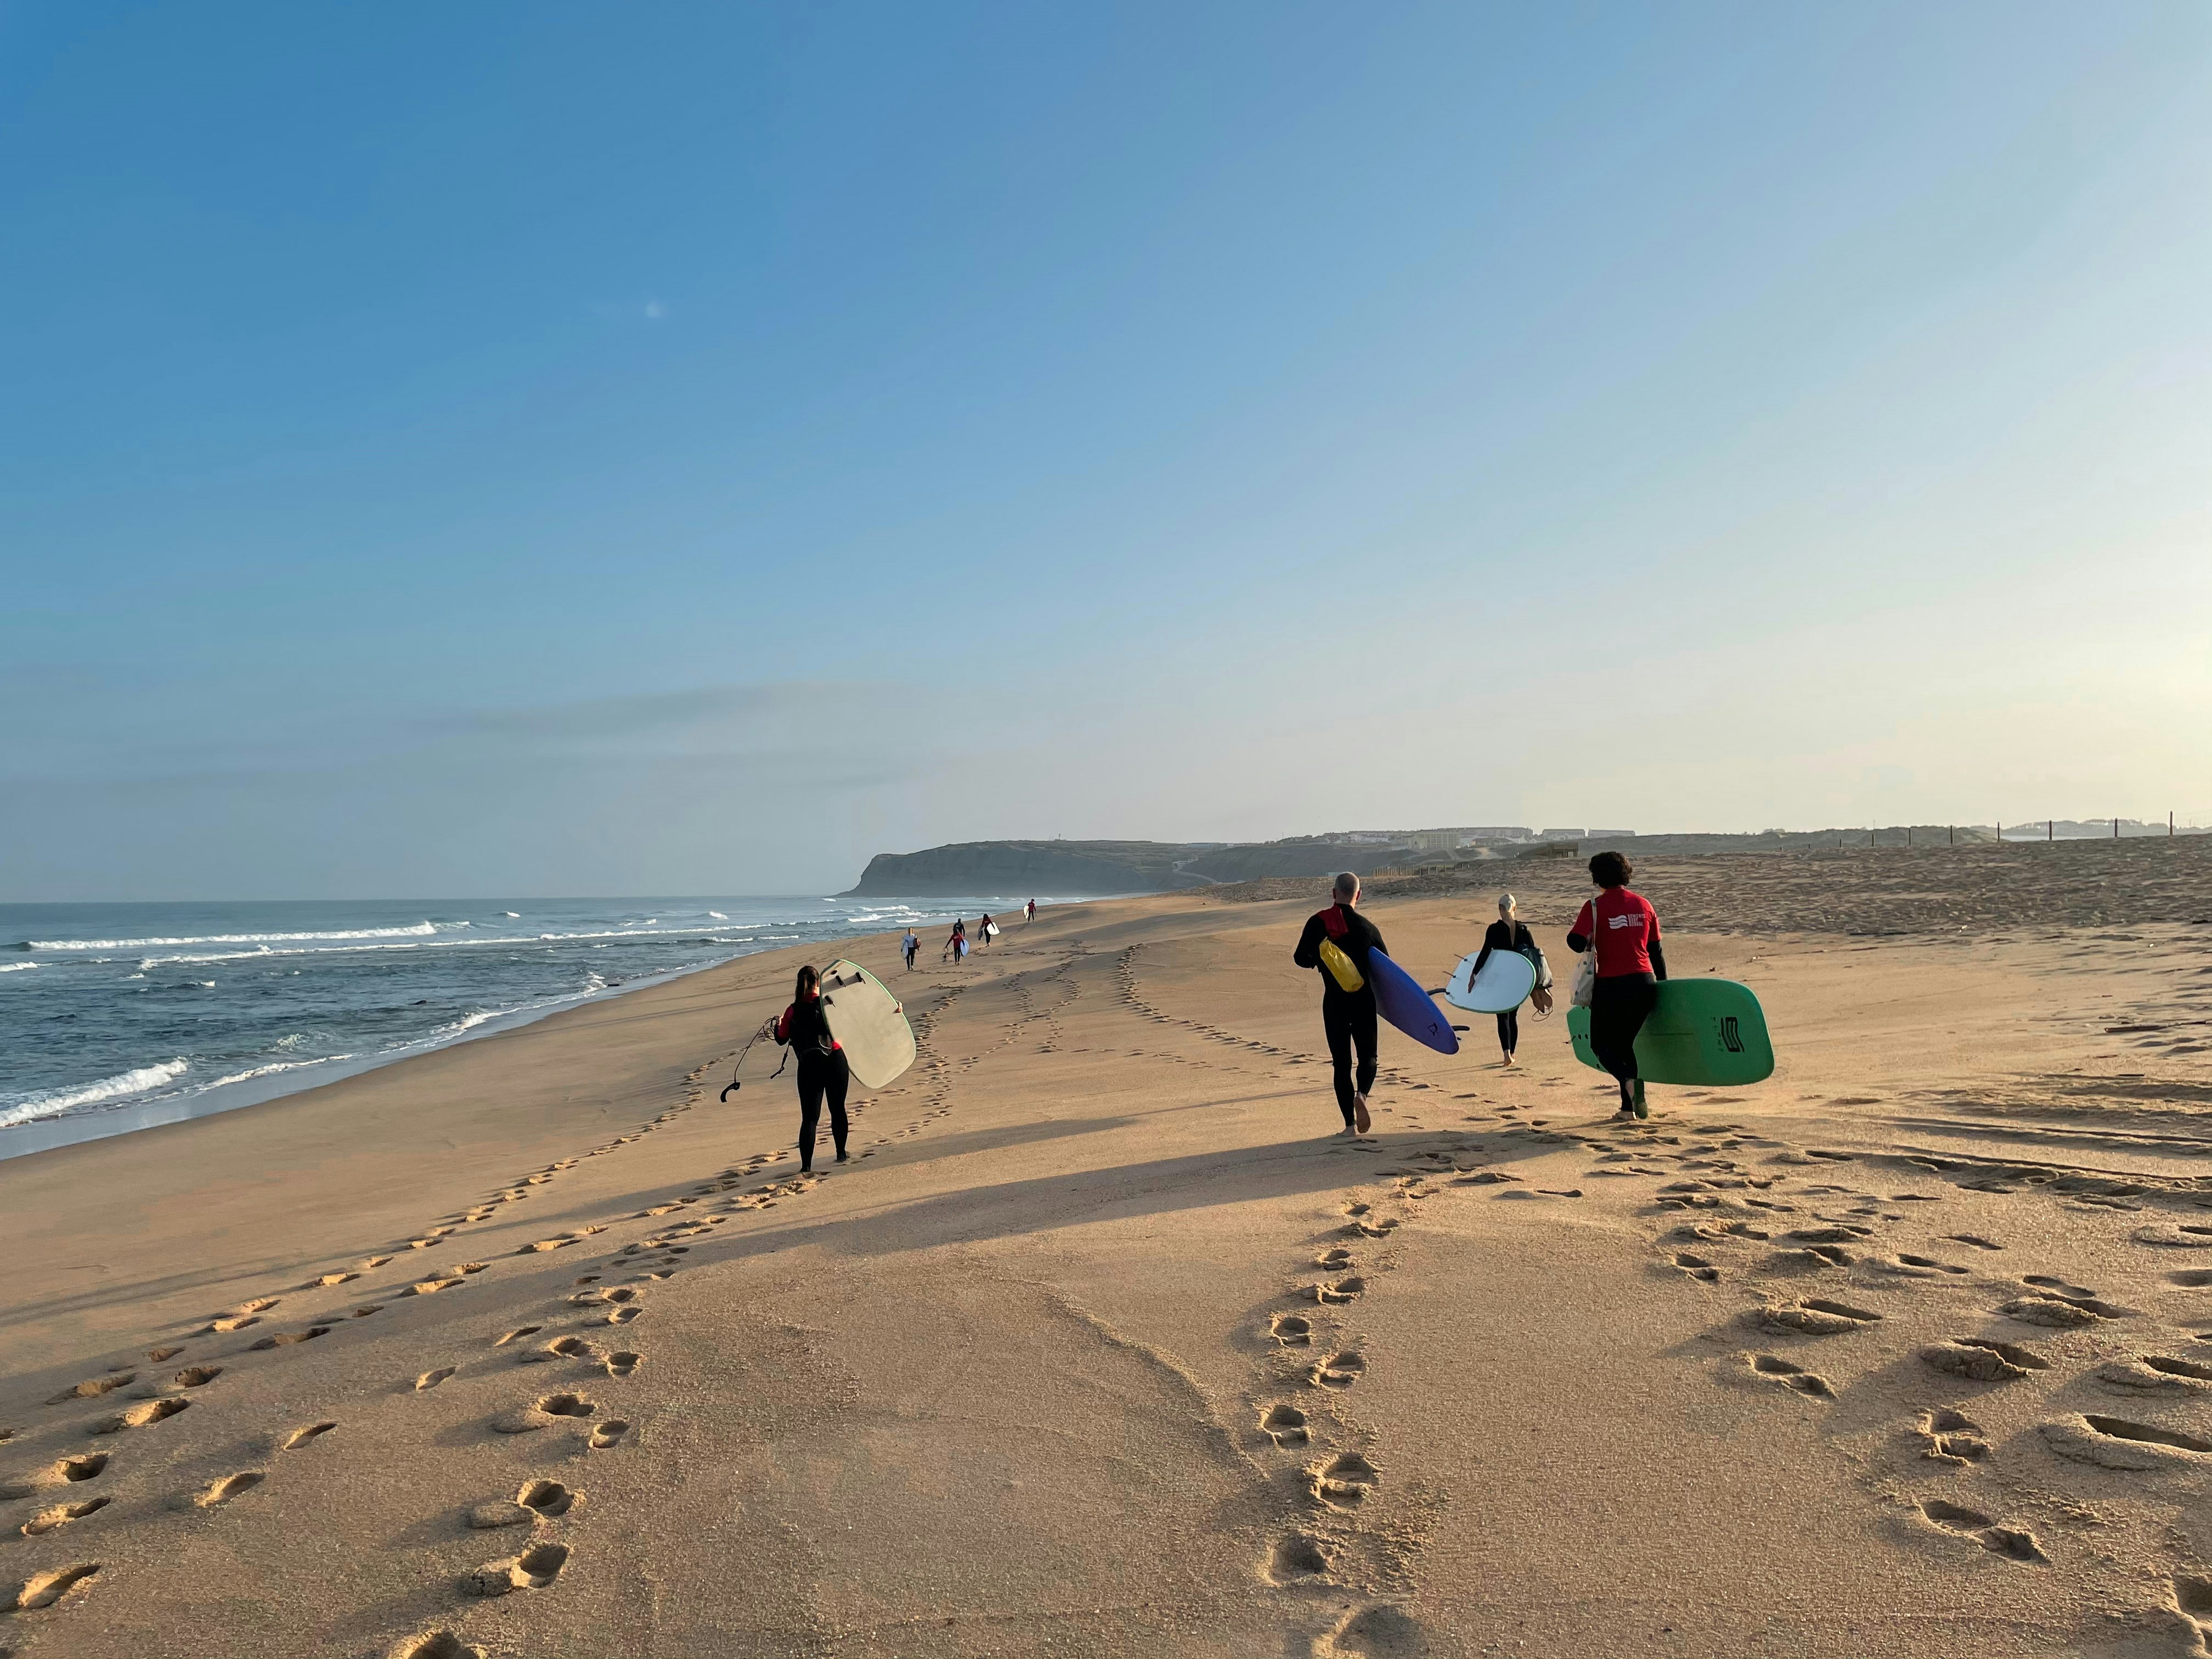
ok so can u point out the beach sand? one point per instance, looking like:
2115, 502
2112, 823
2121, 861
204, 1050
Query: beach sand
1105, 1346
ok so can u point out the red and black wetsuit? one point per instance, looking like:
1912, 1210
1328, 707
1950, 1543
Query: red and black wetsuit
1630, 965
1347, 1017
822, 1070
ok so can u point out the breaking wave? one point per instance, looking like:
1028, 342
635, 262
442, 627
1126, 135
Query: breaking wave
25, 1109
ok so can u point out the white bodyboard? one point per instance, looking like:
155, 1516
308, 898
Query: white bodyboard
1504, 984
868, 1023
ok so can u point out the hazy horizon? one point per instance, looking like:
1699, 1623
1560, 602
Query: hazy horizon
517, 452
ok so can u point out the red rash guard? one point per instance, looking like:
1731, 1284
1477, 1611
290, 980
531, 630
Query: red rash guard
1626, 928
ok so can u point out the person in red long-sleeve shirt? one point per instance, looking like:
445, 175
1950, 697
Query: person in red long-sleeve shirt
1630, 965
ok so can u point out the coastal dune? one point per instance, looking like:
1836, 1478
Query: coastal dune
1104, 1344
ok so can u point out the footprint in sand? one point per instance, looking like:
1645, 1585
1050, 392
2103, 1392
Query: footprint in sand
2192, 1600
68, 1471
1956, 1519
547, 1498
534, 1569
2115, 1442
1296, 1557
2156, 1370
2060, 1312
61, 1515
561, 1347
2045, 1282
516, 1334
1773, 1367
43, 1589
609, 1433
543, 1413
1344, 1482
300, 1437
222, 1492
94, 1388
1697, 1267
1284, 1425
1914, 1266
1342, 1289
1950, 1436
140, 1416
1814, 1317
623, 1362
286, 1339
1974, 1239
1339, 1370
1374, 1632
431, 1379
1982, 1360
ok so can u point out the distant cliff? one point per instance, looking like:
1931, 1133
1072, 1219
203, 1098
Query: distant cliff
1021, 869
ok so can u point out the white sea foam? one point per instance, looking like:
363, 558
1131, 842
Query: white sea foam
512, 915
420, 930
271, 1071
27, 1108
718, 916
17, 967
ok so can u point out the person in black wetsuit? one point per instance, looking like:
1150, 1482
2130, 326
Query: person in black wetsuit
822, 1068
1508, 933
1347, 1017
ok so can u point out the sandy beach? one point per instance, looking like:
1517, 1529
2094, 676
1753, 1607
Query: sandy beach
1105, 1345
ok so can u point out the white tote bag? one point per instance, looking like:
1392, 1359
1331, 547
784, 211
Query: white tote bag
1585, 991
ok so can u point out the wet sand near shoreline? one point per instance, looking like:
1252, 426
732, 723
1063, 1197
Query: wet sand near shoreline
1105, 1345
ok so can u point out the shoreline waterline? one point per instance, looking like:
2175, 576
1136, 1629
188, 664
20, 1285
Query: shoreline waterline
107, 1053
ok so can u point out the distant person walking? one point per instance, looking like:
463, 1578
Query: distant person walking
1510, 932
823, 1072
1623, 929
1031, 913
1336, 942
956, 944
910, 947
983, 931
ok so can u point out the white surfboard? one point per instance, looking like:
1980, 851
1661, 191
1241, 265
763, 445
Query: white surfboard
867, 1022
992, 931
1504, 984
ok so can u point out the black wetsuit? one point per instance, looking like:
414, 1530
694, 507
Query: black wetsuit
1347, 1017
822, 1072
1500, 937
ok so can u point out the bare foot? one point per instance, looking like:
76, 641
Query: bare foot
1360, 1120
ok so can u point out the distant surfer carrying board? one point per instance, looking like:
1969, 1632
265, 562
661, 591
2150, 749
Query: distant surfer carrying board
1336, 942
822, 1071
1624, 930
907, 948
1510, 932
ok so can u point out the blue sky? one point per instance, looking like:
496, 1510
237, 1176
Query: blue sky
511, 449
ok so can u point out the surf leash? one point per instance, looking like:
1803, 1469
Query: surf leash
734, 1084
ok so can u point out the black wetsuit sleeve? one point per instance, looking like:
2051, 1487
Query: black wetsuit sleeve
1578, 943
1658, 959
1375, 939
1494, 937
1308, 955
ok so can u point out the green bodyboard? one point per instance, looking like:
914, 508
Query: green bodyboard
1707, 1033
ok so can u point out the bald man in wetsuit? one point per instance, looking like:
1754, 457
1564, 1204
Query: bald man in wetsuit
1347, 1017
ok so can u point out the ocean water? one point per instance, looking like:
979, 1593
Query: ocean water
117, 1016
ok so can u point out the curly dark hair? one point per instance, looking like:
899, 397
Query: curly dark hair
1611, 869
